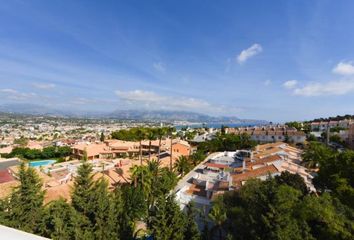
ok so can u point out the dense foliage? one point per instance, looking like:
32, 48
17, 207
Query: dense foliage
283, 208
278, 208
337, 118
45, 153
23, 209
272, 209
97, 213
227, 142
140, 133
300, 126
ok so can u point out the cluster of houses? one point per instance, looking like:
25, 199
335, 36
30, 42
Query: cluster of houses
106, 158
323, 125
344, 129
111, 149
264, 134
227, 171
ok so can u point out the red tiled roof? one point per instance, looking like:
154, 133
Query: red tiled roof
5, 176
238, 178
271, 158
216, 165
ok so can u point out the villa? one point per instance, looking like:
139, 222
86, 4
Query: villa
228, 171
111, 149
265, 134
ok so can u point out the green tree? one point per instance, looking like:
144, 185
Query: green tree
160, 133
274, 210
326, 218
336, 174
102, 137
141, 134
292, 180
166, 220
100, 211
142, 178
24, 208
82, 192
182, 165
171, 134
191, 231
218, 216
337, 139
197, 157
151, 135
22, 141
59, 221
130, 206
316, 153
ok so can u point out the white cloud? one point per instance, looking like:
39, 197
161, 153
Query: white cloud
344, 68
43, 85
13, 94
8, 91
249, 52
139, 96
290, 84
267, 82
339, 87
154, 101
159, 66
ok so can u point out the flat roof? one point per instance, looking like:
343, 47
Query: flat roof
5, 163
11, 233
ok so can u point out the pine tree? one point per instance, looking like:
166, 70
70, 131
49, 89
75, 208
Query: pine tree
101, 214
81, 200
192, 231
83, 189
167, 221
59, 221
25, 205
102, 137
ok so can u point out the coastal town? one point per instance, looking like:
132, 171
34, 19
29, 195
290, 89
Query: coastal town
176, 120
205, 163
277, 149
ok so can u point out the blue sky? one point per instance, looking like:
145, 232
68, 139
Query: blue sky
275, 60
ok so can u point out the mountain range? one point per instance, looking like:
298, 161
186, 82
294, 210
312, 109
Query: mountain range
143, 115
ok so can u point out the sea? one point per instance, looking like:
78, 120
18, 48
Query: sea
217, 125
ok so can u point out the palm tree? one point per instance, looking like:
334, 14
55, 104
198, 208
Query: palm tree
142, 177
151, 135
141, 136
120, 172
153, 167
134, 172
182, 165
218, 216
171, 135
160, 133
155, 173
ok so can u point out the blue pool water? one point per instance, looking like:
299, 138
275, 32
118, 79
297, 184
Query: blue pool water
41, 163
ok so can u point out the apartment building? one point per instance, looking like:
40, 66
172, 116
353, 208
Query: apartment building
230, 170
351, 136
110, 149
323, 125
267, 134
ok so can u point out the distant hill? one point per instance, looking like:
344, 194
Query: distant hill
160, 115
34, 109
137, 115
337, 118
176, 116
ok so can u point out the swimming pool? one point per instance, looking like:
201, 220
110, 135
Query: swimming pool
41, 163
